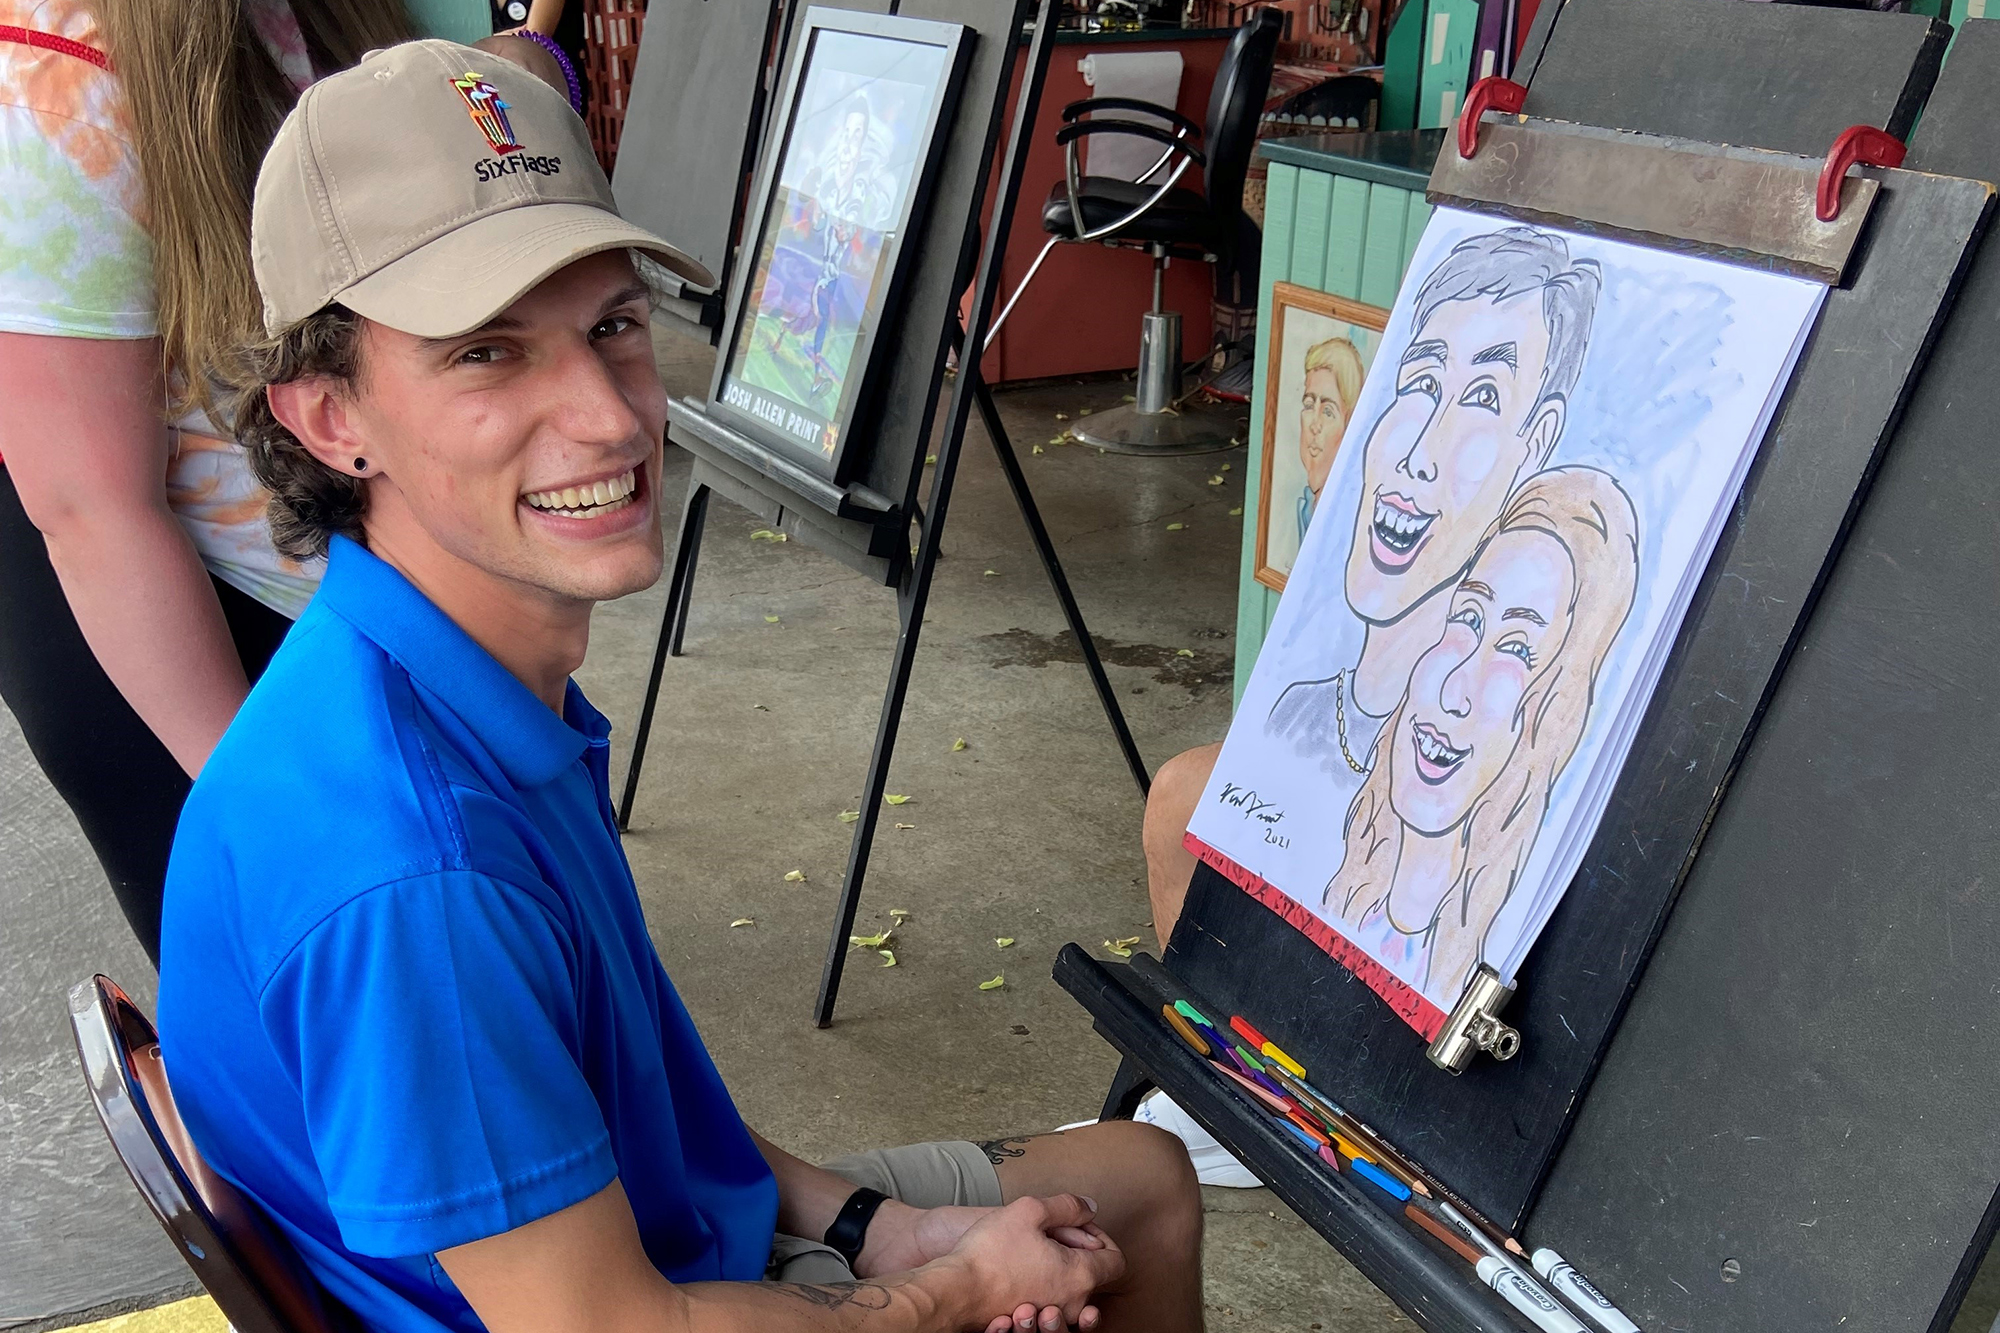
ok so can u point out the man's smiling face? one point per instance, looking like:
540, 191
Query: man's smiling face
1466, 424
529, 448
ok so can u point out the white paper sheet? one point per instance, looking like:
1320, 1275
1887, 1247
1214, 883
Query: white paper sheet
1530, 486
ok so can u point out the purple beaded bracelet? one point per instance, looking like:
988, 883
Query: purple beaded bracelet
547, 43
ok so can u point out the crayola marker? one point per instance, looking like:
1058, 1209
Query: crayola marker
1581, 1293
1521, 1291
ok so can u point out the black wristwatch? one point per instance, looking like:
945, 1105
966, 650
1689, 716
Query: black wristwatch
850, 1230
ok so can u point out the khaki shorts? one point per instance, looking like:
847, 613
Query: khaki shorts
923, 1175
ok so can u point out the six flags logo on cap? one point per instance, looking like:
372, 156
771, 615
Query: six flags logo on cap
489, 112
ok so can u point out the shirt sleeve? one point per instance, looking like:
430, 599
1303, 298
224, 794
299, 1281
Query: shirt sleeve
432, 1028
75, 259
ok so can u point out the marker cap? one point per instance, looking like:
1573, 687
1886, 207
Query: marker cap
1525, 1295
1580, 1292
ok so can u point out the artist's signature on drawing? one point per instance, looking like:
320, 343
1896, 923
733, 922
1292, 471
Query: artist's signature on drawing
1254, 807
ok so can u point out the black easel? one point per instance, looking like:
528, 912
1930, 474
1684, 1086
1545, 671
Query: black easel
700, 88
866, 523
1793, 841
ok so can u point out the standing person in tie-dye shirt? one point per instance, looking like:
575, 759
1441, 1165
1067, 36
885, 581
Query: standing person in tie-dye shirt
139, 590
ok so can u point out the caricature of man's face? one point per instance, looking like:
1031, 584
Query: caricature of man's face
1465, 425
1322, 417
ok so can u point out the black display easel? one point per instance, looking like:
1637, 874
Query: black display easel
866, 523
696, 116
1806, 857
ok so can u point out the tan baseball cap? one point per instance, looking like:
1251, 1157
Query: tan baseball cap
428, 188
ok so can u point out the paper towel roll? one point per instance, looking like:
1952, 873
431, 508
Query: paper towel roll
1151, 76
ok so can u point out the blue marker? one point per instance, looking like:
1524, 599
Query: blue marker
1381, 1180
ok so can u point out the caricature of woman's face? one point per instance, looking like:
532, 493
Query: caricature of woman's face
1322, 417
1508, 615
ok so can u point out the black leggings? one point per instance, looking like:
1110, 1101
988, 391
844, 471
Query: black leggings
120, 782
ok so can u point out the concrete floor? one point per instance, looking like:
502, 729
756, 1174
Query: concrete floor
1029, 832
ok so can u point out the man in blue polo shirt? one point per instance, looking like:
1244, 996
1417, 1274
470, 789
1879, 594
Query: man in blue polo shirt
407, 993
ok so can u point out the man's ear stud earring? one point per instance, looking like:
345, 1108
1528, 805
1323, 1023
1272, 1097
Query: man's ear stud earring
360, 465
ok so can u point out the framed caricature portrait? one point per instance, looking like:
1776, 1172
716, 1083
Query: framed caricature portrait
842, 188
1318, 351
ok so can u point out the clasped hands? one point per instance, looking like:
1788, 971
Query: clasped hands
1037, 1261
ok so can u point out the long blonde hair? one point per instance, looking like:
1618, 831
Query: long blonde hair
1591, 516
206, 99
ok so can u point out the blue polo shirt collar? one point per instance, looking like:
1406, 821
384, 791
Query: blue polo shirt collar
529, 743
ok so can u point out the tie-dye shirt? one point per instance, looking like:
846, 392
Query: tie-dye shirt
76, 261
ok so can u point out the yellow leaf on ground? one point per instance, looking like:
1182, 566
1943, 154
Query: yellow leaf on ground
1038, 448
930, 458
1183, 652
870, 941
897, 800
901, 914
1236, 512
992, 574
770, 620
795, 877
763, 535
1215, 480
1062, 416
743, 921
1004, 942
849, 816
1085, 411
1175, 527
994, 984
905, 826
1225, 467
958, 745
1123, 948
888, 957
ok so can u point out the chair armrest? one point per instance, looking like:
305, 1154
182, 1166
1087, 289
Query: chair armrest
1093, 104
1069, 134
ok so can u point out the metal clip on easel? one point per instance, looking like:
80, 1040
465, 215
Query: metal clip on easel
1475, 1025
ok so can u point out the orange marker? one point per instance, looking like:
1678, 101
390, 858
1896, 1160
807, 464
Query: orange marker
1300, 1119
1184, 1029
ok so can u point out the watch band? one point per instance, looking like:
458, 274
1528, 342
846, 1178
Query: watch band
850, 1229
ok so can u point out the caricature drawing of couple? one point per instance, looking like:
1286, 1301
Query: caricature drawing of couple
1490, 587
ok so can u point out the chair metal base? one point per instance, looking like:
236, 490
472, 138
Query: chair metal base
1192, 428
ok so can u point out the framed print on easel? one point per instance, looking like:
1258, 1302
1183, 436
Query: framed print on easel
1319, 349
859, 126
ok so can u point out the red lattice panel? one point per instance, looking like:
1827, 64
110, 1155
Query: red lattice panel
611, 31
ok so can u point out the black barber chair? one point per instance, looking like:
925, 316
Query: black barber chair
1156, 214
250, 1269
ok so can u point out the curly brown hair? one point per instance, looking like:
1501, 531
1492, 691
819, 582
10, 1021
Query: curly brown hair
310, 502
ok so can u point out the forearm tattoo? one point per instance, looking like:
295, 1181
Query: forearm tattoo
838, 1295
1000, 1150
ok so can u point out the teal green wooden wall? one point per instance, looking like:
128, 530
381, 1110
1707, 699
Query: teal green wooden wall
1427, 63
1334, 234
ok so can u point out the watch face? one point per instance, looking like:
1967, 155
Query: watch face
517, 10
